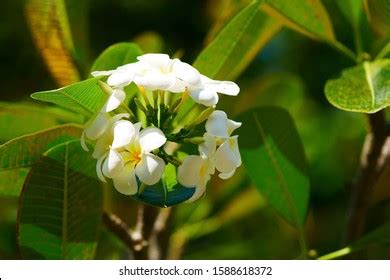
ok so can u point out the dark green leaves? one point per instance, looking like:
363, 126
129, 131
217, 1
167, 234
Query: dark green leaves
116, 55
274, 158
60, 210
84, 97
364, 88
25, 151
238, 43
306, 16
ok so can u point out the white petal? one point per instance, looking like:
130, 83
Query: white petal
217, 124
120, 78
158, 60
155, 81
151, 138
199, 191
115, 99
82, 141
113, 164
188, 172
102, 145
97, 127
225, 87
99, 168
227, 156
150, 169
228, 175
205, 97
119, 117
232, 125
125, 182
185, 72
102, 73
178, 86
208, 147
123, 132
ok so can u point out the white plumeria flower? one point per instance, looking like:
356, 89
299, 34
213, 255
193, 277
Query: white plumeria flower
206, 92
196, 171
227, 156
130, 157
120, 77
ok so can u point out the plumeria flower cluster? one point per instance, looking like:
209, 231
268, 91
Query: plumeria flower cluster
133, 150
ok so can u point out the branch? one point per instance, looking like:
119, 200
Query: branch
375, 154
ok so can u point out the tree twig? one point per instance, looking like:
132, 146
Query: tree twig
374, 156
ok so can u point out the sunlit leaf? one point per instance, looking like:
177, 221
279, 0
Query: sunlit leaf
306, 16
273, 155
364, 88
116, 55
237, 44
85, 97
48, 22
38, 117
26, 150
60, 207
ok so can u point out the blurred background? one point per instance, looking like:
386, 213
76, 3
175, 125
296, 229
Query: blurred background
233, 221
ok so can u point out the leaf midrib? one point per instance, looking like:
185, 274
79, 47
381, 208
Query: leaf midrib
281, 178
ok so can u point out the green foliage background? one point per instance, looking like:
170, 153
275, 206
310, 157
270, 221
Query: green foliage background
283, 56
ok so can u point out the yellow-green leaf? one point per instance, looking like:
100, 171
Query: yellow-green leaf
364, 88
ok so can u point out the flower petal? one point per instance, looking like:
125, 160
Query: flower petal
154, 80
151, 138
224, 87
205, 97
233, 125
227, 156
97, 127
158, 60
150, 169
125, 182
115, 99
123, 132
120, 78
217, 124
199, 191
113, 164
208, 147
82, 141
188, 172
99, 168
228, 175
185, 72
102, 145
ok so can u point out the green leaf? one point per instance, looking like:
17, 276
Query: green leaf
308, 17
273, 155
116, 55
352, 10
38, 117
165, 193
237, 44
60, 207
84, 97
364, 88
26, 150
11, 181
